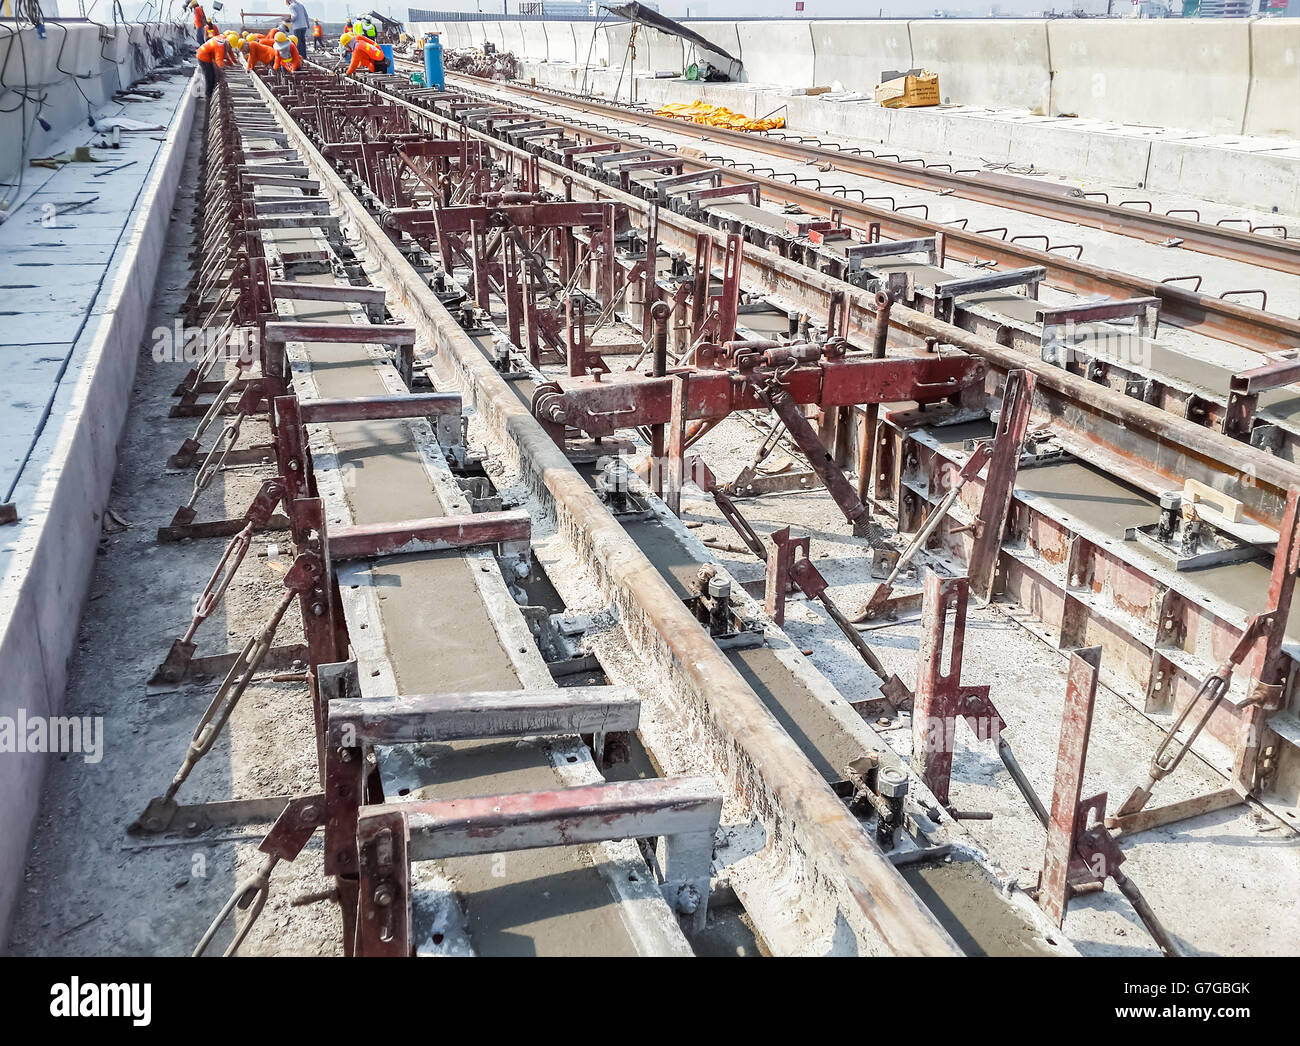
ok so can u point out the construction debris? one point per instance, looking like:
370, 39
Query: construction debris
910, 91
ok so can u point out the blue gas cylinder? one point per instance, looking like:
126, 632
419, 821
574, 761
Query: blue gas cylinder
433, 63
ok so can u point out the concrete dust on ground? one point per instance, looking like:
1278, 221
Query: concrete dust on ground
89, 887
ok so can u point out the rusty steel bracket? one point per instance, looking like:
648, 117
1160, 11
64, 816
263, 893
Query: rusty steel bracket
940, 698
822, 461
258, 517
1080, 850
509, 530
284, 842
879, 601
813, 585
685, 811
780, 558
1008, 443
1244, 390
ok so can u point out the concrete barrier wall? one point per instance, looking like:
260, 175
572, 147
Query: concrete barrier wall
1273, 106
1000, 64
656, 52
592, 45
493, 32
48, 556
1214, 75
725, 34
512, 37
536, 46
777, 52
99, 68
856, 54
560, 43
1168, 72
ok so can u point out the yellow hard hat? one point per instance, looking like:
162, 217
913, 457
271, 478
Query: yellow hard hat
232, 37
345, 39
280, 38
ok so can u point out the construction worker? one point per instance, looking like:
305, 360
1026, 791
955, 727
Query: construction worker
298, 23
287, 55
367, 27
365, 55
317, 36
200, 20
257, 53
213, 55
210, 30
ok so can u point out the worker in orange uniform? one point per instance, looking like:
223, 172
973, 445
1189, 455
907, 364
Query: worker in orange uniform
365, 55
213, 54
210, 30
317, 36
286, 53
200, 20
257, 53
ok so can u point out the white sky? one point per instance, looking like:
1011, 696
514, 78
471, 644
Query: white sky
336, 10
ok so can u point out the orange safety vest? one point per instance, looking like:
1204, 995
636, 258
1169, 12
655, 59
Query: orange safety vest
260, 54
213, 51
199, 17
211, 31
365, 53
293, 63
317, 31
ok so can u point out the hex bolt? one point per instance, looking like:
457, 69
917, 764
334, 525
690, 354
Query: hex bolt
891, 782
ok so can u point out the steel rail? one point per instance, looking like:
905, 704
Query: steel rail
1238, 324
1219, 241
1138, 443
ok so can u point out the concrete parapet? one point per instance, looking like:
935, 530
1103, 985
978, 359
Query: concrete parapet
854, 54
778, 53
535, 41
48, 556
1163, 72
1273, 102
1209, 75
561, 45
1002, 63
74, 68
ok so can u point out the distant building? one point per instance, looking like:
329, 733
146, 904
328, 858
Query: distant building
1232, 8
566, 8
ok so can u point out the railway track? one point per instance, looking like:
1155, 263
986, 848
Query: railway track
1127, 445
443, 738
1151, 428
1255, 246
1234, 322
